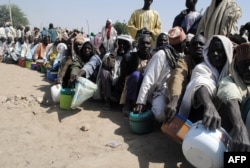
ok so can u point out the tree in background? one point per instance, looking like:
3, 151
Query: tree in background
120, 27
18, 17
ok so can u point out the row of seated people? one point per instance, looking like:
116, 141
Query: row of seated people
31, 47
204, 79
186, 78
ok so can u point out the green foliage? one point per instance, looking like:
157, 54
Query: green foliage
120, 27
18, 17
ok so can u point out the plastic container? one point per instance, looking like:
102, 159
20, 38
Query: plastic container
205, 148
33, 66
22, 62
141, 123
177, 128
66, 98
40, 62
28, 64
40, 66
42, 69
56, 92
84, 89
52, 76
47, 73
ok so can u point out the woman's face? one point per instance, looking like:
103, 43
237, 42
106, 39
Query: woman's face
243, 68
87, 50
216, 54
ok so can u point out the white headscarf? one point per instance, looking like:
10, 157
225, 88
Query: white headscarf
204, 74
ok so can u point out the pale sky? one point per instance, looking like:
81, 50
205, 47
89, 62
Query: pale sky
91, 15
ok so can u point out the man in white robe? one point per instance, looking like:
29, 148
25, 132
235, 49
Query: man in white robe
108, 35
153, 87
202, 88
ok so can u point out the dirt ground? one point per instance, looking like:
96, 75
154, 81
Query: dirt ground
41, 135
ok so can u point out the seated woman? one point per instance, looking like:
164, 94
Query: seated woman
74, 46
234, 91
85, 64
52, 54
198, 102
42, 48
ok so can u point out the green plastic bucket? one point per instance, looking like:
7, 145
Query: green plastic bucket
28, 64
43, 69
66, 98
141, 123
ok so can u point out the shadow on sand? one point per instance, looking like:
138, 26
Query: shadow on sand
154, 147
51, 106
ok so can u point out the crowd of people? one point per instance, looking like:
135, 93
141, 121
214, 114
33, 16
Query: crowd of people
200, 68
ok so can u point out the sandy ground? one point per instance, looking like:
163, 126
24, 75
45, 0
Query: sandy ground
41, 135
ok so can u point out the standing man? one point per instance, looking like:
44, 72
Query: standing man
145, 20
53, 33
109, 34
220, 18
189, 18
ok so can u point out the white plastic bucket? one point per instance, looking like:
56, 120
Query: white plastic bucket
56, 92
205, 148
